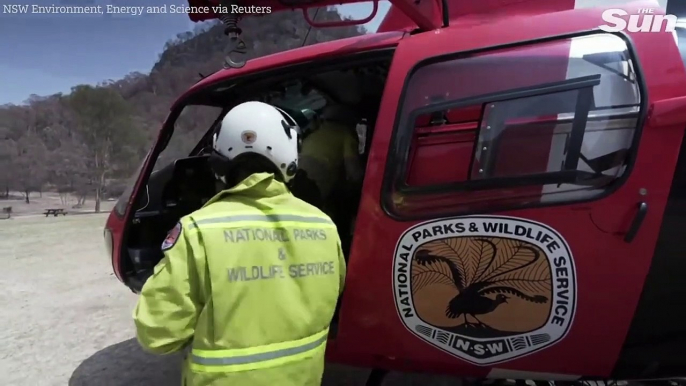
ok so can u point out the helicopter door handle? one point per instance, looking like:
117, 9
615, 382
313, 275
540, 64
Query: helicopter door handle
638, 221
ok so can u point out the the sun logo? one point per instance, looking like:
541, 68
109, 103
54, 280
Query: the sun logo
645, 20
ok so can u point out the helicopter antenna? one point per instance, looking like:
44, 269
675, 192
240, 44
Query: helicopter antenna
236, 44
314, 18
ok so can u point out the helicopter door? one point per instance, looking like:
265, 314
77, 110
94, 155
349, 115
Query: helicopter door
512, 202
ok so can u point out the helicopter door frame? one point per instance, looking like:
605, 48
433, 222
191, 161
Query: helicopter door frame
579, 231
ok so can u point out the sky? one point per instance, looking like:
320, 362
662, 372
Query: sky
44, 54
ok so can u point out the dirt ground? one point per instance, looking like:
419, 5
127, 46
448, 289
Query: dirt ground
66, 320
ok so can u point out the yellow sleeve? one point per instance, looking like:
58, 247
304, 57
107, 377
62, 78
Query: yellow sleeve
168, 305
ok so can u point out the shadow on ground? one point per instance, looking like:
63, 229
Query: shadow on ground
126, 364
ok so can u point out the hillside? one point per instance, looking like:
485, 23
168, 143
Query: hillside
89, 141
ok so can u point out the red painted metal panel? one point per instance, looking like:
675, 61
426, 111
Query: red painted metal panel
609, 271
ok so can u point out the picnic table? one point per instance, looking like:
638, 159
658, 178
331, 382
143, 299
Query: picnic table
7, 211
55, 212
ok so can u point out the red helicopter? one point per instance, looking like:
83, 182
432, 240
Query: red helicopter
520, 216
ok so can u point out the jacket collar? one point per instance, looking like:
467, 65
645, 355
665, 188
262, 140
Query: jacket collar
258, 184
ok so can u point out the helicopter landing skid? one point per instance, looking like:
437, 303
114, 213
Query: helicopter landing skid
377, 376
521, 382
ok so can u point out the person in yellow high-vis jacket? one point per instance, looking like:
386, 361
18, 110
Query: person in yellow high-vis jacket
249, 283
330, 160
330, 156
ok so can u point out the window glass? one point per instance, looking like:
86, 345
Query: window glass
300, 103
506, 147
122, 202
528, 66
294, 99
189, 128
680, 38
549, 122
678, 8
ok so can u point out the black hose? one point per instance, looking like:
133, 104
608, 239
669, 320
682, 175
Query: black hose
446, 14
310, 28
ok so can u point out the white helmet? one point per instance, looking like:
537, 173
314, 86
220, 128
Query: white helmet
260, 128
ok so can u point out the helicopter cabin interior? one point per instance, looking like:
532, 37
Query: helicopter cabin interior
576, 128
179, 186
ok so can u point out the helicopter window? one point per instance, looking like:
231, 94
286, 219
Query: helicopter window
294, 99
299, 101
123, 200
680, 36
515, 138
190, 126
539, 123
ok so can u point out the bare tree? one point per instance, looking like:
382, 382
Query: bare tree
6, 148
68, 168
29, 165
105, 126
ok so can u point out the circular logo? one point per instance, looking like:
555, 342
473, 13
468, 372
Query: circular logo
248, 137
485, 289
172, 237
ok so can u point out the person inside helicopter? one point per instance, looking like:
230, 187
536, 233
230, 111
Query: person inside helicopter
331, 161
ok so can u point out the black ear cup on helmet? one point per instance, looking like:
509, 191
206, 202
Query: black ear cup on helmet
219, 164
291, 169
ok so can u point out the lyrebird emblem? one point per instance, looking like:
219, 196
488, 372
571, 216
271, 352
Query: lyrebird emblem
499, 267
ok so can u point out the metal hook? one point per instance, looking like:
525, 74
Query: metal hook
236, 46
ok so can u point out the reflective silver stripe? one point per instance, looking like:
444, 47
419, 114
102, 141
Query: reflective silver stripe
252, 358
261, 217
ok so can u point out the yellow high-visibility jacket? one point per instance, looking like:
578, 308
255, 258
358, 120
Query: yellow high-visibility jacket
329, 155
249, 284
